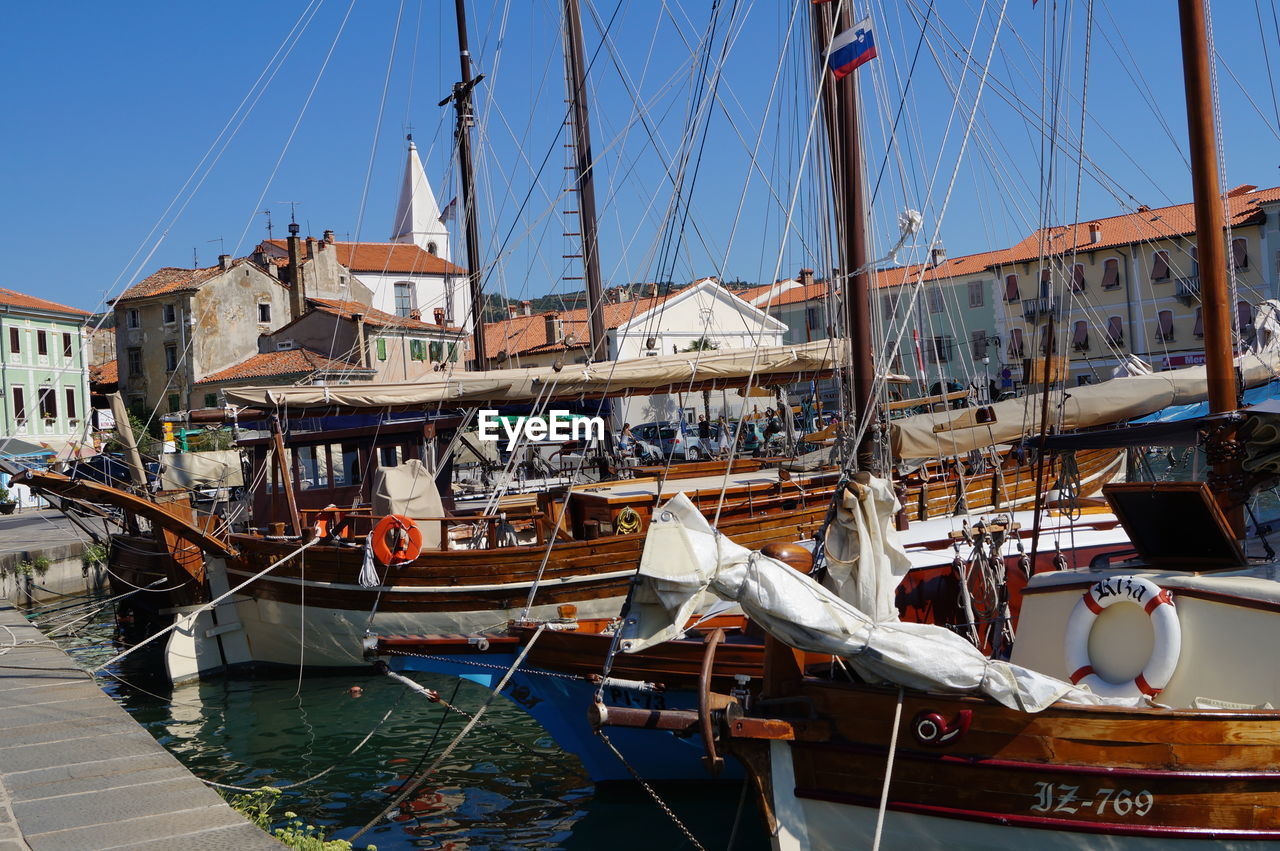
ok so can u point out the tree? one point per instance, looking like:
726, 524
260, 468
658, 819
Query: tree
702, 344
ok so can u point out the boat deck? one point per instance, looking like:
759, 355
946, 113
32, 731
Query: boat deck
76, 771
670, 487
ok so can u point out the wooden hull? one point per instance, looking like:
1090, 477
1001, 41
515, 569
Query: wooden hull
1092, 776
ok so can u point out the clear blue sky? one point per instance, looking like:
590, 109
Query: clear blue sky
110, 107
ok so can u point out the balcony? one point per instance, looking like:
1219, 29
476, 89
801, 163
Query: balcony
1034, 308
1188, 289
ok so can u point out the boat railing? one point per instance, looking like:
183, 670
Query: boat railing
465, 531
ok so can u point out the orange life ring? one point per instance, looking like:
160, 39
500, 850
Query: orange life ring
396, 540
328, 521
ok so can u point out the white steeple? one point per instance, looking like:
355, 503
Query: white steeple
417, 214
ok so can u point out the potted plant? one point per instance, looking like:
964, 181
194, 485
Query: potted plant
7, 503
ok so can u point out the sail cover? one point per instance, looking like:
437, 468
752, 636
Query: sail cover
679, 373
957, 432
683, 557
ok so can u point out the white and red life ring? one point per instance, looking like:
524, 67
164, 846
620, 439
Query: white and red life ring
1157, 602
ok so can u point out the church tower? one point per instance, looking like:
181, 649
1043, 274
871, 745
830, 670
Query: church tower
417, 214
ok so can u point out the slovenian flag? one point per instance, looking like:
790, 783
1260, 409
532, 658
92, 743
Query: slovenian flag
852, 48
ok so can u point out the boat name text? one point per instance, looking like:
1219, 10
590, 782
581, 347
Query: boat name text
1061, 798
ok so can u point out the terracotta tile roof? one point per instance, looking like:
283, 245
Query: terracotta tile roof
1140, 226
383, 257
528, 334
172, 279
375, 317
276, 364
105, 373
17, 299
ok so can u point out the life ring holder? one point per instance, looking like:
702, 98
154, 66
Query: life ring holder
396, 540
1157, 602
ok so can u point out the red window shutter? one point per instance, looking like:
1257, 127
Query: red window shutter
1160, 266
1199, 332
1011, 289
1115, 331
1240, 253
1111, 274
1080, 337
1015, 344
1166, 325
1077, 277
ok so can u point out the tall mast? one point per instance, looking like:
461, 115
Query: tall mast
1225, 477
841, 112
461, 98
584, 177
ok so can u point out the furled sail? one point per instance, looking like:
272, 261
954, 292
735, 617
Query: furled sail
957, 432
679, 373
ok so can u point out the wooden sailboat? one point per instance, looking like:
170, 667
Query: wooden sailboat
840, 760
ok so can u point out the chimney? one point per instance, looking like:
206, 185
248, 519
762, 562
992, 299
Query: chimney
1095, 232
806, 277
297, 297
224, 261
937, 255
438, 313
552, 326
511, 311
415, 314
624, 295
525, 307
328, 237
311, 247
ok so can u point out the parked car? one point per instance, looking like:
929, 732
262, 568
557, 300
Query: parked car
671, 439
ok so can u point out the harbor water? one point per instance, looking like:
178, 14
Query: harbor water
506, 785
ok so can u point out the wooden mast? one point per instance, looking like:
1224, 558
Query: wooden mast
1225, 477
461, 97
584, 178
841, 112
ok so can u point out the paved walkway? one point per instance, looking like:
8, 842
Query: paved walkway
77, 772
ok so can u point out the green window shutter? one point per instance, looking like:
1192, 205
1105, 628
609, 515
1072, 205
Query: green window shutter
175, 403
453, 352
211, 400
382, 348
437, 350
415, 349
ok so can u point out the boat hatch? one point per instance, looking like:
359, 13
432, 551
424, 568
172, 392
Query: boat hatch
1175, 525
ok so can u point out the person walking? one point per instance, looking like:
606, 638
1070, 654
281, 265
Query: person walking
704, 437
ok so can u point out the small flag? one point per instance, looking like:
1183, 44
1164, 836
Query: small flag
449, 210
852, 48
915, 336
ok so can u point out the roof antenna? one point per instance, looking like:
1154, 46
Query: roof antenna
195, 258
222, 245
267, 213
293, 216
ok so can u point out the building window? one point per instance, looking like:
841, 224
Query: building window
935, 299
416, 350
170, 357
939, 349
1015, 344
436, 350
1164, 331
1077, 278
1111, 274
978, 339
42, 343
71, 403
19, 405
1115, 331
175, 403
264, 311
453, 352
813, 318
1046, 282
15, 341
211, 400
48, 403
404, 298
1240, 253
381, 344
1195, 261
133, 358
1244, 311
170, 314
1080, 336
886, 307
67, 349
1011, 293
1160, 266
977, 293
131, 319
431, 249
1199, 329
313, 466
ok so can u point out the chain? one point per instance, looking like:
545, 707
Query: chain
460, 661
662, 805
